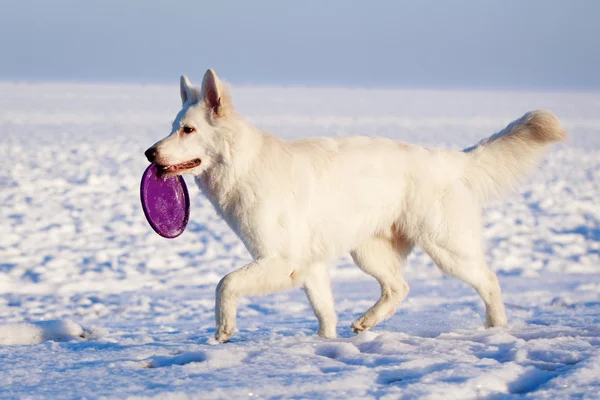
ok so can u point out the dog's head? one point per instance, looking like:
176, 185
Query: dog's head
196, 140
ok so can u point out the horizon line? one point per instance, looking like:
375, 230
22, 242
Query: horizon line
311, 85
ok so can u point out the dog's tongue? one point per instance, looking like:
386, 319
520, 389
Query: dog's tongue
165, 201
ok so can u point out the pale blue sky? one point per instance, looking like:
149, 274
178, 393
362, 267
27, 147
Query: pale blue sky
462, 43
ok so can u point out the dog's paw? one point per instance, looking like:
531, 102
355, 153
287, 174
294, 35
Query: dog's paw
496, 323
223, 335
359, 325
329, 333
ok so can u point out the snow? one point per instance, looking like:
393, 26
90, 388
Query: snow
94, 304
33, 333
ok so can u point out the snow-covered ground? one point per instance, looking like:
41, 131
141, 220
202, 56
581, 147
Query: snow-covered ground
93, 303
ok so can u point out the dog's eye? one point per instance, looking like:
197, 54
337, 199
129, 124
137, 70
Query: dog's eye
188, 129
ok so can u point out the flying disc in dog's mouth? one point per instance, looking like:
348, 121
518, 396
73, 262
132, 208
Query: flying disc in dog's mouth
181, 167
165, 201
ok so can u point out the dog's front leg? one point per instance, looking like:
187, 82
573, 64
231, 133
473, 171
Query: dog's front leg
258, 278
318, 290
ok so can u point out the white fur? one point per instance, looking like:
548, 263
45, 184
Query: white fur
297, 205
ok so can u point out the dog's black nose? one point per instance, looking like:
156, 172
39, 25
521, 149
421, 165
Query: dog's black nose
151, 154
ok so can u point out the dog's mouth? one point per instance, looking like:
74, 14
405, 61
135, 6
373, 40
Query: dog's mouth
173, 169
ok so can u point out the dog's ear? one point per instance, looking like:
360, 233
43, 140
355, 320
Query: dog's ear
188, 92
215, 94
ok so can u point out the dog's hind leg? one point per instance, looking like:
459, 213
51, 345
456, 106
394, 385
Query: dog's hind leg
382, 258
473, 270
458, 251
318, 290
258, 278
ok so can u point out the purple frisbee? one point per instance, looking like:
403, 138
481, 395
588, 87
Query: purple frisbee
166, 202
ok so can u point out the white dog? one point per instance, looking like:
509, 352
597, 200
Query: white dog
297, 205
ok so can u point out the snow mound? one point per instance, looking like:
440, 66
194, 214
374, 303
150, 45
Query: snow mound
38, 332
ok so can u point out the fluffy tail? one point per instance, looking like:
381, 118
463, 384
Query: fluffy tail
499, 162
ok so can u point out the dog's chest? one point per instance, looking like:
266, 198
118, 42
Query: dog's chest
238, 208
